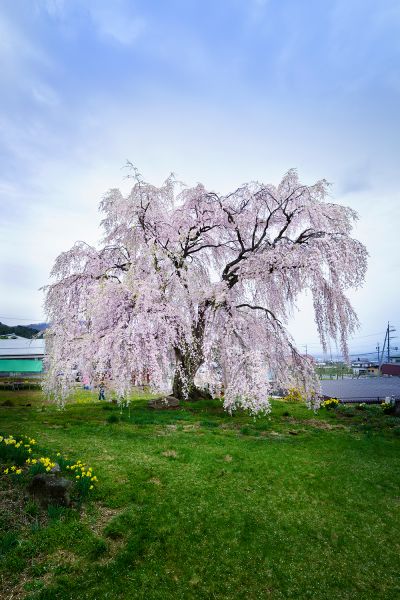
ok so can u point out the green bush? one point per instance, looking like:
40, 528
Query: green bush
294, 395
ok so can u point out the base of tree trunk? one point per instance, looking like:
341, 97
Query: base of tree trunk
198, 394
179, 390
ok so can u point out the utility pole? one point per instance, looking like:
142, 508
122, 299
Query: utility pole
383, 350
387, 339
389, 331
377, 348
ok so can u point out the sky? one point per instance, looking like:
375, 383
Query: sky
217, 91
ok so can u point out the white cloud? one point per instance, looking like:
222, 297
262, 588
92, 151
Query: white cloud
114, 20
66, 156
17, 50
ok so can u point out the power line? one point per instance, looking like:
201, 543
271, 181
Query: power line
22, 318
362, 353
357, 337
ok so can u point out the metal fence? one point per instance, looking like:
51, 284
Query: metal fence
370, 400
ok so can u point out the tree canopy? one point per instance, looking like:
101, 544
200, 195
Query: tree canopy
192, 287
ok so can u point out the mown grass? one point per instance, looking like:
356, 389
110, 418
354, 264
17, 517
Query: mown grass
194, 503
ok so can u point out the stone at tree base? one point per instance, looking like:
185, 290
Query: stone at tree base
164, 403
49, 489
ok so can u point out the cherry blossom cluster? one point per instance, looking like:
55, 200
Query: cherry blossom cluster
192, 287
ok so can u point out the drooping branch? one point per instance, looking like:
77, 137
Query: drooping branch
267, 312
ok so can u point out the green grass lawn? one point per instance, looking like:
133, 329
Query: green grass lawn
194, 503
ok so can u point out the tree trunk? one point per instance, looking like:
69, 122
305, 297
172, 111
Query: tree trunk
183, 386
189, 362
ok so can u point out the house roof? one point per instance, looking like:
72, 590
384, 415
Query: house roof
390, 369
19, 346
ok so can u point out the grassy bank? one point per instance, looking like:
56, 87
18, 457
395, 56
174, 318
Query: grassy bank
194, 503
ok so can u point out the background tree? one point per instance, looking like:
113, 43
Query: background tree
189, 283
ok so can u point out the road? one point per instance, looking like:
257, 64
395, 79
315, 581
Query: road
367, 387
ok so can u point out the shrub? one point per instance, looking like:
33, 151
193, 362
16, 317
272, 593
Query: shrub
294, 395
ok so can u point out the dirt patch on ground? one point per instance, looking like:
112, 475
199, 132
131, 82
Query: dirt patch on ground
170, 454
104, 516
13, 501
11, 591
191, 427
155, 481
273, 434
316, 423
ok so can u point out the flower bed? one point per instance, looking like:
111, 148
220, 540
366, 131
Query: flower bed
21, 459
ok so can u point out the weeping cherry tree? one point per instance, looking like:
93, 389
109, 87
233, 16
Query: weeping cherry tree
191, 288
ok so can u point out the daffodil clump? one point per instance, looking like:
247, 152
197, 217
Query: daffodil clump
16, 450
25, 460
330, 403
84, 477
13, 470
44, 464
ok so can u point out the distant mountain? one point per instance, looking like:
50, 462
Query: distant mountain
26, 331
38, 326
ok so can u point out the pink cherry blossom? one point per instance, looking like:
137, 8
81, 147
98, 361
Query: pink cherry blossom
191, 287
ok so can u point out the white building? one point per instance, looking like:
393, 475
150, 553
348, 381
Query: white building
21, 356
